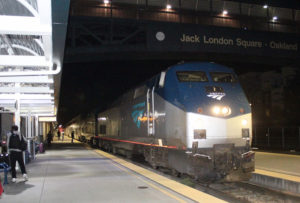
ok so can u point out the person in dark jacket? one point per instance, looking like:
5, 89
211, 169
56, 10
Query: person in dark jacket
72, 136
15, 152
49, 138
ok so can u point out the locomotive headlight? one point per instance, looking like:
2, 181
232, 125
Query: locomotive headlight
225, 110
216, 110
244, 122
222, 111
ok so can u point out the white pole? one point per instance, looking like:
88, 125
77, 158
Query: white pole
18, 106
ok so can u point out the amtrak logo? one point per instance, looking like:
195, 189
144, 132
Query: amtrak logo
138, 111
216, 95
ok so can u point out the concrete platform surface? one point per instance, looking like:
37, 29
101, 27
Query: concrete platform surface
70, 173
277, 171
280, 163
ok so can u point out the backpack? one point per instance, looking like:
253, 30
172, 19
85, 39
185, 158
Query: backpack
23, 144
16, 143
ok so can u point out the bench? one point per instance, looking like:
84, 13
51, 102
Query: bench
4, 168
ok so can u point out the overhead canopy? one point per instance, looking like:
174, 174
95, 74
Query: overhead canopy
32, 40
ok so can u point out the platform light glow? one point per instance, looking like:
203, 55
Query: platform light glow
275, 18
225, 12
244, 122
168, 7
265, 6
106, 1
216, 110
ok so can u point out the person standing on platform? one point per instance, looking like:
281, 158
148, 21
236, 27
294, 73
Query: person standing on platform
72, 136
49, 138
58, 135
63, 136
14, 140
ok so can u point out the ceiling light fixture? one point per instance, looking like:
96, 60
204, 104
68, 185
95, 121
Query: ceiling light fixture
265, 6
225, 12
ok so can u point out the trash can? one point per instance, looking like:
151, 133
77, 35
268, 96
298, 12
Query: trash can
41, 147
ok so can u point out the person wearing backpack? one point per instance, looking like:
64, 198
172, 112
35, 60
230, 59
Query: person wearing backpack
16, 143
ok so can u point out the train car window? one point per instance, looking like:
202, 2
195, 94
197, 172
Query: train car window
161, 82
223, 77
103, 129
191, 76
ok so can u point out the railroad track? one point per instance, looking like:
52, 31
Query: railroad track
247, 192
231, 192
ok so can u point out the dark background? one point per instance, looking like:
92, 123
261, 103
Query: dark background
89, 86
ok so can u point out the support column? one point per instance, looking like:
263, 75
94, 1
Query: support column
18, 107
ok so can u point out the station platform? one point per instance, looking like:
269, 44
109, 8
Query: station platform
74, 173
279, 171
280, 163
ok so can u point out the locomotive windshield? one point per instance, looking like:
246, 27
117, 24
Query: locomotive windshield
222, 77
191, 76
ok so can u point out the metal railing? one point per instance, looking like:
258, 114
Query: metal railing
278, 138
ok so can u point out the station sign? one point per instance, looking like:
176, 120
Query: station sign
174, 37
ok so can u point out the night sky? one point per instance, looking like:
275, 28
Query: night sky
89, 86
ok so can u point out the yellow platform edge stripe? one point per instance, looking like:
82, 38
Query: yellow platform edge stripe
277, 175
179, 188
147, 182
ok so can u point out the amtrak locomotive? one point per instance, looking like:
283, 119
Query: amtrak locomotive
193, 118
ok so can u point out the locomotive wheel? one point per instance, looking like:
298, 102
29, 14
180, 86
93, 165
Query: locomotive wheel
128, 154
175, 173
114, 150
154, 166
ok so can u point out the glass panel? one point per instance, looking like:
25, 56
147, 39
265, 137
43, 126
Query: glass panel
253, 10
138, 2
218, 6
281, 13
222, 77
157, 3
200, 5
173, 3
203, 5
190, 5
191, 76
232, 7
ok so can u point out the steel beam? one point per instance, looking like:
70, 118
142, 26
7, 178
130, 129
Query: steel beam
26, 90
24, 61
27, 79
27, 96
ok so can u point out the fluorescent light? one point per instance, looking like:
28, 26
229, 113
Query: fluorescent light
265, 6
225, 12
275, 18
47, 119
106, 1
169, 6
